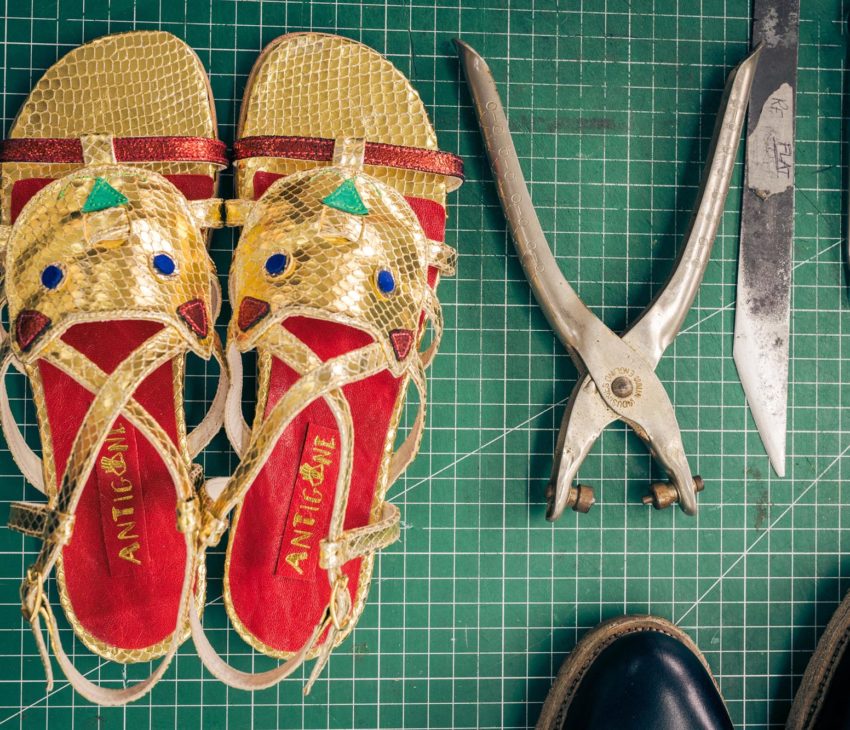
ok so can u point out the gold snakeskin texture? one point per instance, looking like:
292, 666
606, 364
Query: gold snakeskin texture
74, 363
110, 400
30, 519
334, 259
139, 84
324, 380
127, 85
362, 541
107, 256
317, 85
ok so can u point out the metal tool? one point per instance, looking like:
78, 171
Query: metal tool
617, 378
763, 308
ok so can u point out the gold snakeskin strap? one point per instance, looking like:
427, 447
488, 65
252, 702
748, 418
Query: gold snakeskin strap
208, 213
93, 379
236, 211
318, 382
442, 257
107, 405
113, 397
361, 541
39, 520
410, 446
434, 316
289, 349
282, 344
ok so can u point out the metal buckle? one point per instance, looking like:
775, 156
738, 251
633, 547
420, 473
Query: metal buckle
31, 603
336, 597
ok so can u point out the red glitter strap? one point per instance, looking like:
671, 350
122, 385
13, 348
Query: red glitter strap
377, 153
127, 149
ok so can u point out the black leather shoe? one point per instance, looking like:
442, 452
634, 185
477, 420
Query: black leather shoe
635, 673
823, 700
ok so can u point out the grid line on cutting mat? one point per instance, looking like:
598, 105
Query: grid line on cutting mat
470, 615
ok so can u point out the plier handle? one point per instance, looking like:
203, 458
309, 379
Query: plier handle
617, 377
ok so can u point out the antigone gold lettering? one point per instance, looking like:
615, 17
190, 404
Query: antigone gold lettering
122, 493
128, 553
312, 471
127, 528
294, 559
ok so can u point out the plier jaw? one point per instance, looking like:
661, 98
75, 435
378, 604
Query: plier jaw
617, 374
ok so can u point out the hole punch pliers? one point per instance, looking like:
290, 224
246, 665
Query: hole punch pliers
617, 377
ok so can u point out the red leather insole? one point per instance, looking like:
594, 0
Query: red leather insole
274, 603
131, 600
270, 600
125, 562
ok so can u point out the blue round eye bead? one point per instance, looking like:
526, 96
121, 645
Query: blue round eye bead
52, 276
385, 281
164, 264
276, 264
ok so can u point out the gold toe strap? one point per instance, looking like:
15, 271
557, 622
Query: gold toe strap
361, 541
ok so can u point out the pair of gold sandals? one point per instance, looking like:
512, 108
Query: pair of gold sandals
108, 194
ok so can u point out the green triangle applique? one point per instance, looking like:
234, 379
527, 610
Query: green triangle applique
103, 196
347, 199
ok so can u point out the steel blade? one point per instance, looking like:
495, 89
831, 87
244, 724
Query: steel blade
763, 308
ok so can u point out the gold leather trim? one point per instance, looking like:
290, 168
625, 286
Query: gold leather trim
126, 85
316, 85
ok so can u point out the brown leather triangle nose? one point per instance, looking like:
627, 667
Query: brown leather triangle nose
251, 311
402, 341
194, 313
29, 326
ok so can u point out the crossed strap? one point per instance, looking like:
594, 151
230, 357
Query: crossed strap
54, 522
319, 380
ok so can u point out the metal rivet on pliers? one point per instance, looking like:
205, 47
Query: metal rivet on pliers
662, 495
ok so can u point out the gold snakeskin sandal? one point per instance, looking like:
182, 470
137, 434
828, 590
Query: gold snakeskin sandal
342, 195
107, 185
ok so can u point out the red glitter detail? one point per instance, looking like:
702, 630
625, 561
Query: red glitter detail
194, 313
29, 326
401, 341
376, 153
127, 149
252, 311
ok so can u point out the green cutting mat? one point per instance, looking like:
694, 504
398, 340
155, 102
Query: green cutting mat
472, 612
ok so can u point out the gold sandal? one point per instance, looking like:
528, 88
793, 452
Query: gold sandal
342, 194
107, 185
